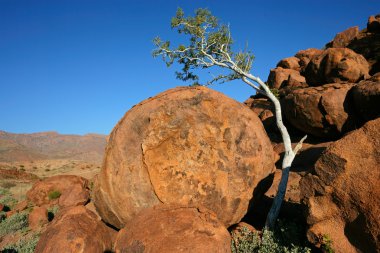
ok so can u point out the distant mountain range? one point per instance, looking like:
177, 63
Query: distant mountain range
51, 145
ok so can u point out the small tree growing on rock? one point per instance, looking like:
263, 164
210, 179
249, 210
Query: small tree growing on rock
210, 45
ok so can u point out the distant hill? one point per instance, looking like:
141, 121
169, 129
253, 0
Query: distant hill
51, 145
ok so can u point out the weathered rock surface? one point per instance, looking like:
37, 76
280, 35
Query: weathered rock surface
73, 191
373, 24
38, 217
290, 63
264, 108
305, 56
279, 78
188, 145
321, 111
344, 38
172, 228
336, 65
366, 97
342, 193
76, 229
368, 44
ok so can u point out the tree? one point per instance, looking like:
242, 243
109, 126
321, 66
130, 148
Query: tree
210, 45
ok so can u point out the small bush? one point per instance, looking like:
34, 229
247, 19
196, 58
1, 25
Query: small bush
326, 244
285, 239
54, 194
276, 92
25, 245
7, 199
17, 221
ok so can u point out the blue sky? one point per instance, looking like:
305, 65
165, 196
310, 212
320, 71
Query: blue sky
76, 66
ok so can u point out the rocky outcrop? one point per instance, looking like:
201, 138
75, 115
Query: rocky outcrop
38, 217
76, 229
188, 145
171, 229
321, 111
366, 96
64, 190
342, 193
264, 108
290, 63
305, 57
336, 65
280, 78
373, 25
344, 38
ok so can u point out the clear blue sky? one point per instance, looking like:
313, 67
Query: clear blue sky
76, 66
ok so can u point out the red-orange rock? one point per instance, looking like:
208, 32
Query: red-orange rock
71, 191
279, 78
292, 190
188, 145
38, 217
172, 229
306, 55
366, 97
336, 65
373, 24
321, 111
342, 194
344, 38
76, 229
290, 63
264, 108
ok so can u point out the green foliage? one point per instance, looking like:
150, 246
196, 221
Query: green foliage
275, 92
7, 199
24, 245
54, 194
209, 42
326, 244
287, 238
17, 221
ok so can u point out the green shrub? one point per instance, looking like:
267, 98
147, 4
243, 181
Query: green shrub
326, 244
18, 221
54, 194
25, 245
287, 238
276, 92
7, 199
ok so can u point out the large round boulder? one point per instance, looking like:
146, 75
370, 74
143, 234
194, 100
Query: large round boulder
323, 111
342, 194
174, 228
76, 229
188, 145
336, 65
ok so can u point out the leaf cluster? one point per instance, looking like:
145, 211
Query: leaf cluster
210, 44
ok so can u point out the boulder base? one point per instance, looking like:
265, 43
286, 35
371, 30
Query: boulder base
76, 229
172, 229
